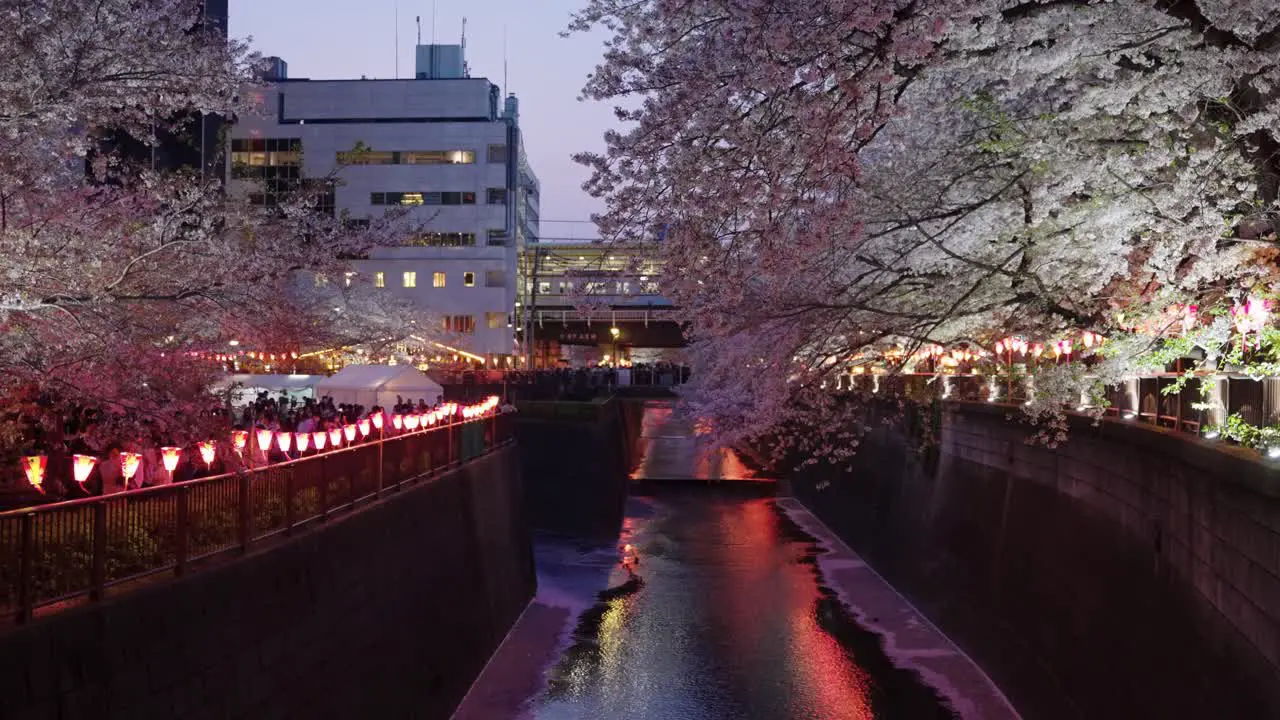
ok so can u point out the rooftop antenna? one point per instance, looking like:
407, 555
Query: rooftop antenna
466, 71
433, 22
418, 19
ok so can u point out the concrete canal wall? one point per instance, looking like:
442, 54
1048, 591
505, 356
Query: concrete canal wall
390, 612
1128, 573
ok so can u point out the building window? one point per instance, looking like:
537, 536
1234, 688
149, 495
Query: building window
497, 196
498, 237
321, 280
346, 278
368, 157
408, 157
497, 153
437, 280
468, 279
422, 198
464, 324
447, 239
495, 278
379, 279
495, 320
544, 287
410, 279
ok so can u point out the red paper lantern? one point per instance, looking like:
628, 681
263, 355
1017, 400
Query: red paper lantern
335, 437
397, 422
411, 422
264, 439
239, 438
377, 420
364, 427
319, 437
285, 441
169, 458
350, 432
129, 463
207, 453
303, 440
81, 466
33, 467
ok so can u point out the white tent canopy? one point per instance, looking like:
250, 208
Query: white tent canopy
370, 385
247, 386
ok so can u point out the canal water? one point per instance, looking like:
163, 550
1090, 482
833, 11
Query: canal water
719, 602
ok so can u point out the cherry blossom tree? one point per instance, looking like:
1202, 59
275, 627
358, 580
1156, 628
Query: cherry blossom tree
115, 276
845, 176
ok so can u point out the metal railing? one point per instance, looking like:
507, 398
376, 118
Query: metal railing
1152, 399
68, 551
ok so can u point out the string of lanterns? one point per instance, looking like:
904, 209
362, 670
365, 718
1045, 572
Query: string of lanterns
34, 467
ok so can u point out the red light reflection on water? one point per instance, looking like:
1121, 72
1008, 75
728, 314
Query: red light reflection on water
771, 599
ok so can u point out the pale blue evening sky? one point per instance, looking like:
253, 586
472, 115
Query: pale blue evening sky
329, 39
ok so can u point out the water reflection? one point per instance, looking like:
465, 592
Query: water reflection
723, 617
671, 450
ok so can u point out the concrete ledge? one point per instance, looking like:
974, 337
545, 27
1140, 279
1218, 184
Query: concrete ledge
389, 612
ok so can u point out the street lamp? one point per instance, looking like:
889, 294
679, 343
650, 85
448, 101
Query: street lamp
614, 332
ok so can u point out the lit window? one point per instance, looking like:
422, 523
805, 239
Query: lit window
411, 199
495, 320
437, 279
544, 287
410, 279
469, 279
379, 279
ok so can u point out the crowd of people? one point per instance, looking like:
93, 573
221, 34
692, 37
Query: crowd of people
568, 382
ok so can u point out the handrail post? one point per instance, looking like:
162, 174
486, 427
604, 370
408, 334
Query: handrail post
98, 569
377, 490
184, 526
288, 502
26, 567
324, 490
246, 514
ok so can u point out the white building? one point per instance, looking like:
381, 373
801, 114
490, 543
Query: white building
444, 145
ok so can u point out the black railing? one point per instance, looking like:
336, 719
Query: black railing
58, 553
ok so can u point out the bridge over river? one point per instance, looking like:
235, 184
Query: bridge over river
719, 600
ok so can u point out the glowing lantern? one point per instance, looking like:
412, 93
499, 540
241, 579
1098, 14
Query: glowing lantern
319, 437
397, 422
1088, 339
364, 427
81, 466
411, 422
239, 438
431, 418
350, 432
1066, 348
1037, 349
129, 463
169, 458
206, 453
377, 421
303, 440
285, 441
264, 440
999, 347
335, 437
33, 466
